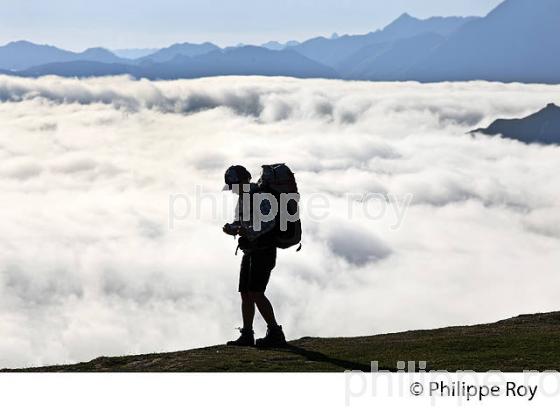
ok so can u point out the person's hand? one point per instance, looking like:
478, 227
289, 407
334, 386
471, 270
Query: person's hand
241, 231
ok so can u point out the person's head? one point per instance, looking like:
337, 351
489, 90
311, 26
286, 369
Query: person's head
236, 175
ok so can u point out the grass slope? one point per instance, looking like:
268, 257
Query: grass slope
527, 342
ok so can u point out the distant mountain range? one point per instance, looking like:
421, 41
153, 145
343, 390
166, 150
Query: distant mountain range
517, 41
275, 45
183, 49
247, 60
542, 127
134, 53
20, 55
335, 51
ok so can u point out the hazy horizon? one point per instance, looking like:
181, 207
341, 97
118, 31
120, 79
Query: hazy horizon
78, 25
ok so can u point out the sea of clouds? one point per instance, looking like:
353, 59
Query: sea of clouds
90, 266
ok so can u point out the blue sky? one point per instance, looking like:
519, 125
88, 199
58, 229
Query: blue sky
78, 24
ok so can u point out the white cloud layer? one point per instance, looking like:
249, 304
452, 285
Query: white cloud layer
89, 267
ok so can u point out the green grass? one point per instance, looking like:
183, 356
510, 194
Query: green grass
528, 342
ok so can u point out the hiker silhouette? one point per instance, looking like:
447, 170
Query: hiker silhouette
259, 237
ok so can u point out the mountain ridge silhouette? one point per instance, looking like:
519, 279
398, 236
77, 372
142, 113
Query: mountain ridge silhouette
542, 127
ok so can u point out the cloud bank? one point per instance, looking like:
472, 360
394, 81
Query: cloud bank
89, 266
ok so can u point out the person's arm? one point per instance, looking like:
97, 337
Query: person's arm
234, 227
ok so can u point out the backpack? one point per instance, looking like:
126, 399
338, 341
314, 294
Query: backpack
278, 179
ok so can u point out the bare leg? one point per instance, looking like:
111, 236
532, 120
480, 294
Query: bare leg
247, 310
265, 308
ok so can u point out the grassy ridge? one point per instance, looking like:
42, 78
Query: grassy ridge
527, 342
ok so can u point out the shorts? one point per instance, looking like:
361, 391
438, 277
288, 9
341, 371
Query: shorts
256, 267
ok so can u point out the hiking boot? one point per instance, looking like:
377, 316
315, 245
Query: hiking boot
247, 338
274, 338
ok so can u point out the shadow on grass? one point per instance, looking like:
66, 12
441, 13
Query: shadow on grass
314, 356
